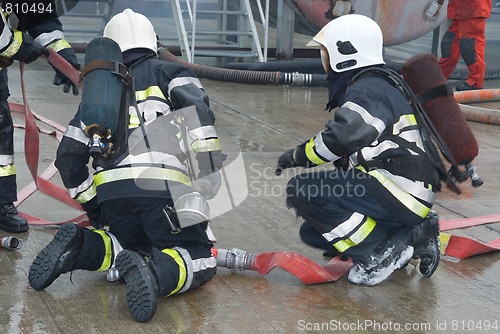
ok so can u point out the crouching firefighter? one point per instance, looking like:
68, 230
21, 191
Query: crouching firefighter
375, 207
141, 169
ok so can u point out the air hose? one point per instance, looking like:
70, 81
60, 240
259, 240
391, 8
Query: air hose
245, 76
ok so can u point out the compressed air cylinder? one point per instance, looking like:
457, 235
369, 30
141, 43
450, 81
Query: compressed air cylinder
102, 89
423, 75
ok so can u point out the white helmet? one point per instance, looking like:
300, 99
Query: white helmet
131, 30
349, 42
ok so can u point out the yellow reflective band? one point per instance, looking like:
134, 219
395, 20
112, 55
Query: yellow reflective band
406, 199
14, 45
59, 45
206, 145
182, 268
444, 238
133, 122
141, 173
153, 91
357, 237
106, 262
311, 155
87, 195
7, 170
404, 121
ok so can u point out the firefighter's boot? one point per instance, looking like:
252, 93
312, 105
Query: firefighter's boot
141, 283
375, 268
58, 257
10, 221
425, 241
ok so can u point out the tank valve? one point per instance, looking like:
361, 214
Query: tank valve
476, 180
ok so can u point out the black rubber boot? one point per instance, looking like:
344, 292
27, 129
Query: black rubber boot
57, 258
377, 267
10, 221
465, 86
425, 241
141, 284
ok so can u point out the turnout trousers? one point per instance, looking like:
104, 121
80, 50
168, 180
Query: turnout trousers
465, 38
184, 260
340, 211
8, 188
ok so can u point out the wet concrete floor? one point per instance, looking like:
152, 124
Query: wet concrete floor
260, 122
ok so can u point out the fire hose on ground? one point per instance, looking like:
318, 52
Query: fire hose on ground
296, 264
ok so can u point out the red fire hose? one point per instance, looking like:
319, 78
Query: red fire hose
303, 268
309, 272
31, 146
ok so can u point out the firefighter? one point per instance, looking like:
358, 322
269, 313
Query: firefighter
37, 29
129, 192
465, 37
375, 206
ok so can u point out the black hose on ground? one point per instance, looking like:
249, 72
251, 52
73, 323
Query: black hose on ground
314, 65
247, 76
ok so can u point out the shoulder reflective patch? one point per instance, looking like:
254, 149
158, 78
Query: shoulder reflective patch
182, 81
377, 123
404, 122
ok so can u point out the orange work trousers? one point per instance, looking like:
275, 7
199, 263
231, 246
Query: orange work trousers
465, 38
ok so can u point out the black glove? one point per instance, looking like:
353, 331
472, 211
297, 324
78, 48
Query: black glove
208, 183
29, 50
5, 61
69, 54
96, 218
285, 161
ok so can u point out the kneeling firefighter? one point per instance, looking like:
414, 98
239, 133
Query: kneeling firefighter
141, 169
375, 207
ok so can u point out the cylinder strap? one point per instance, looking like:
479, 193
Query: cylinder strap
103, 64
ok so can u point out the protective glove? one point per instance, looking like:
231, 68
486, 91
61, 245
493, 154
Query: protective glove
28, 51
5, 62
96, 218
285, 161
63, 48
208, 183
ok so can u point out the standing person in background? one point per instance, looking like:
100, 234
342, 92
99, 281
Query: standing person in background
465, 37
38, 28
